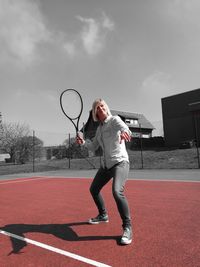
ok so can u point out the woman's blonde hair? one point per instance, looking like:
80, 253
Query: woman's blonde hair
94, 108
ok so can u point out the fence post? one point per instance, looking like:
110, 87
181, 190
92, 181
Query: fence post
141, 145
69, 158
194, 108
196, 137
33, 151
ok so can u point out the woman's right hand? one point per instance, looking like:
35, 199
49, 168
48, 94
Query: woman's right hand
79, 139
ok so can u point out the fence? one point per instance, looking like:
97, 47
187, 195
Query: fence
48, 151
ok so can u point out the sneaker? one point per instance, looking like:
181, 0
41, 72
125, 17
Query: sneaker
99, 219
127, 236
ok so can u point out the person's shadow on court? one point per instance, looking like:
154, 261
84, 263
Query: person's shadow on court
62, 231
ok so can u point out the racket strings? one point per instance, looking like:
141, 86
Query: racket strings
71, 103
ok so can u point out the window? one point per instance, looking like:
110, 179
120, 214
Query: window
133, 122
145, 135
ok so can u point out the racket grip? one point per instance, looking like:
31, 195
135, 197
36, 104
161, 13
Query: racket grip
79, 134
79, 138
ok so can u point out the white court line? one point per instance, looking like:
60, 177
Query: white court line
56, 250
22, 180
29, 179
164, 180
130, 179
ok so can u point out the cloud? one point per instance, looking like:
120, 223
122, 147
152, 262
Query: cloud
107, 23
183, 20
94, 32
70, 48
156, 82
184, 11
92, 36
154, 87
22, 29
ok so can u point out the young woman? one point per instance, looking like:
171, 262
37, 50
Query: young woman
111, 135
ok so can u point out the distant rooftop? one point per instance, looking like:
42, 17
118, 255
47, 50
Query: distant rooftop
140, 117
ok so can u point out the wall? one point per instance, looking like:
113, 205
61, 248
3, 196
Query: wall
178, 122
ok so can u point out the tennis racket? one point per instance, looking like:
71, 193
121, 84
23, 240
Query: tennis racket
72, 106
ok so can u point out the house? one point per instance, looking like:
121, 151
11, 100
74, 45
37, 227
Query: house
181, 118
4, 157
137, 123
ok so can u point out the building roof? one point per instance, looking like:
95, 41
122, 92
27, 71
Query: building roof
194, 91
194, 106
91, 125
144, 123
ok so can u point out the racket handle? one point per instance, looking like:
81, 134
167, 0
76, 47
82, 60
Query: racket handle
79, 134
79, 138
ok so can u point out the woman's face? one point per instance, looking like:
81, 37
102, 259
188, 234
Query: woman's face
101, 111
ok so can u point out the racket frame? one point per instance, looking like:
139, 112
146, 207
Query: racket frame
77, 118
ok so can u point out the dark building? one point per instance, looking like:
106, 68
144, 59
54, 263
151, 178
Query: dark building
181, 118
137, 123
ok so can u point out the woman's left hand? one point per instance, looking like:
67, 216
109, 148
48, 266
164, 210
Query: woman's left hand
125, 136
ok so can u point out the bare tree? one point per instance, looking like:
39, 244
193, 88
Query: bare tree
11, 138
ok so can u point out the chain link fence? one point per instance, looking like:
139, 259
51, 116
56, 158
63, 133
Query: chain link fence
46, 151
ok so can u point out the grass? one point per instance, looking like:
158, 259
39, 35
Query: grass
168, 159
148, 159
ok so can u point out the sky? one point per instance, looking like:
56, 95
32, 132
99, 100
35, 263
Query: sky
131, 53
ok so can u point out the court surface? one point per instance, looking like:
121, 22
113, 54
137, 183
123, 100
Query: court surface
44, 217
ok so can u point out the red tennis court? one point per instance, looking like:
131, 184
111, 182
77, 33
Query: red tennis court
43, 223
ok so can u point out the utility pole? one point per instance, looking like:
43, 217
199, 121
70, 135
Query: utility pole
194, 108
141, 146
33, 151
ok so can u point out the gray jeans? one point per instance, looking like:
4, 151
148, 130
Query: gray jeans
119, 174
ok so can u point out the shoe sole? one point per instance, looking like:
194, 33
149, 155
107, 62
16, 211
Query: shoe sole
126, 242
90, 222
